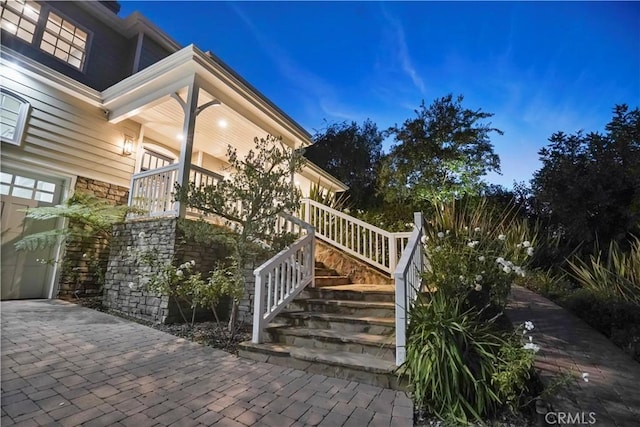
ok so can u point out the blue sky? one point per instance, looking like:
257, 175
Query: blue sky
539, 67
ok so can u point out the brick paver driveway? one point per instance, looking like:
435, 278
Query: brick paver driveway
67, 365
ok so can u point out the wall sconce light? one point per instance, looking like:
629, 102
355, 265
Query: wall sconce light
127, 146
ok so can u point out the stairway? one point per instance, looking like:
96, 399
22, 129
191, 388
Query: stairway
337, 329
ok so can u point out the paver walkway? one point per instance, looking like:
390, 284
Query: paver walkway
567, 344
67, 365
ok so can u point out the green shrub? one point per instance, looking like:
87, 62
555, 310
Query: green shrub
615, 275
617, 320
451, 359
475, 252
514, 372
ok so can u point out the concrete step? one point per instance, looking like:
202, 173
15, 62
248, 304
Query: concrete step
326, 272
322, 281
338, 322
360, 308
379, 346
338, 364
351, 292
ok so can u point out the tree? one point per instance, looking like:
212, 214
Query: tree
258, 189
441, 154
589, 185
351, 153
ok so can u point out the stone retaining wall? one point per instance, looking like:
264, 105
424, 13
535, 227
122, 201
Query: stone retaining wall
126, 276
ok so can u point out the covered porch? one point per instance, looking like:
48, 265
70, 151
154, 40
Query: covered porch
191, 108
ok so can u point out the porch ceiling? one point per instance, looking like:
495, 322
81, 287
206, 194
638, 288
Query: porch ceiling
146, 96
216, 126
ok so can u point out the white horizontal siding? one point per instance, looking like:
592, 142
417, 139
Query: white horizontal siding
64, 134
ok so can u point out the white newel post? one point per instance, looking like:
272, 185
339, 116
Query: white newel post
393, 253
186, 150
258, 309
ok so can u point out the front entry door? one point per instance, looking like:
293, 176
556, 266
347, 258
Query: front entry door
26, 274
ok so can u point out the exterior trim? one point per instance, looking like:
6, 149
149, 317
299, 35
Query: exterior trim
12, 59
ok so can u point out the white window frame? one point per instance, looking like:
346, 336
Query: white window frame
16, 30
41, 30
21, 121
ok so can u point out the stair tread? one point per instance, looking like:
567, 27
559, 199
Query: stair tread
355, 337
344, 358
358, 361
362, 287
336, 316
349, 303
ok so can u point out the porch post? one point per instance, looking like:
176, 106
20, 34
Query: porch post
186, 150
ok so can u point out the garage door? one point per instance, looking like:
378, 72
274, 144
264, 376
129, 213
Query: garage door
24, 275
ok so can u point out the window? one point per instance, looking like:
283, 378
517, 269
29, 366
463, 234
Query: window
20, 18
13, 116
64, 40
26, 187
45, 27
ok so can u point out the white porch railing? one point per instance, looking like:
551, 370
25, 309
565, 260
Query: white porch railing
408, 283
152, 191
284, 276
373, 245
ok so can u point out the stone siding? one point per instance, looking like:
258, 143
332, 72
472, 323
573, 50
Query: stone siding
84, 263
126, 276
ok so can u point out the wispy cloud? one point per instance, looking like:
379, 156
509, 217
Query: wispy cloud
319, 97
400, 48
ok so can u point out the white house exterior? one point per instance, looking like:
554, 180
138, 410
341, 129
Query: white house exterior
90, 99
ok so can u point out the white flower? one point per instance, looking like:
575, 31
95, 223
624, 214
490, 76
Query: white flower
506, 269
192, 262
531, 346
477, 229
461, 278
502, 237
499, 260
128, 248
519, 271
437, 248
528, 325
448, 232
347, 211
142, 234
84, 255
473, 244
530, 251
440, 234
466, 228
424, 239
519, 245
478, 287
530, 338
132, 286
481, 258
179, 273
478, 278
526, 243
585, 377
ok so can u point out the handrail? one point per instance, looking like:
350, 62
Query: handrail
408, 279
283, 277
371, 244
152, 191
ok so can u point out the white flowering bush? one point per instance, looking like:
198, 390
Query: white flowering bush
476, 253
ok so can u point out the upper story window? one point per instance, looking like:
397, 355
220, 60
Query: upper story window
20, 18
51, 32
13, 116
64, 40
